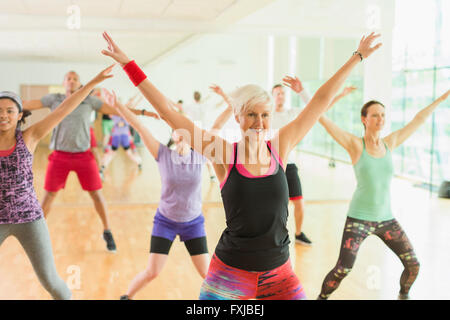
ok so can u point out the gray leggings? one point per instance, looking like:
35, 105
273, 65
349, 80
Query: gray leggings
35, 240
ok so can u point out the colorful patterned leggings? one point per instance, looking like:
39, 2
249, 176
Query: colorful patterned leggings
227, 283
355, 232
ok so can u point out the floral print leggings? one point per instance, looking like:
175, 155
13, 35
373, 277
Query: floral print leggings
355, 232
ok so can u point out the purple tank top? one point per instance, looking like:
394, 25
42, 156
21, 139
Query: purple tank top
121, 127
181, 184
18, 201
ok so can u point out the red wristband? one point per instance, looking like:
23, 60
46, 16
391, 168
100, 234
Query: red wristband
135, 73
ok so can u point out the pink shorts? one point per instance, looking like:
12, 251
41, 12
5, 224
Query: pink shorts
60, 163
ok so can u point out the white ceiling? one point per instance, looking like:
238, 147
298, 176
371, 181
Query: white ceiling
323, 18
176, 9
37, 29
151, 29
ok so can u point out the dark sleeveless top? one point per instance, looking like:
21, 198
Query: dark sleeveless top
256, 237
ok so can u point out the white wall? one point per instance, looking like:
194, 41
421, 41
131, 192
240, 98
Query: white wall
15, 73
227, 60
378, 68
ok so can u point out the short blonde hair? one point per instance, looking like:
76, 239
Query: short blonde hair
245, 97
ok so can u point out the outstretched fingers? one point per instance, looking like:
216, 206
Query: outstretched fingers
348, 90
104, 74
365, 45
113, 50
131, 103
377, 46
217, 89
107, 53
153, 115
287, 84
288, 78
289, 81
109, 40
445, 95
109, 69
362, 40
114, 97
372, 37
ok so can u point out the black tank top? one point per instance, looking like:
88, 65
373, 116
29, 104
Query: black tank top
256, 209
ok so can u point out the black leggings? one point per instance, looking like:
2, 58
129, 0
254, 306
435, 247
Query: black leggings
355, 232
194, 246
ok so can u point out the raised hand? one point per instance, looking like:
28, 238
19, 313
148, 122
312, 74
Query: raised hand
294, 83
217, 89
348, 90
132, 102
365, 45
104, 74
114, 51
151, 114
110, 98
444, 96
41, 128
138, 101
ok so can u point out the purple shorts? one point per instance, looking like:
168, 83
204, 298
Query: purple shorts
169, 229
120, 140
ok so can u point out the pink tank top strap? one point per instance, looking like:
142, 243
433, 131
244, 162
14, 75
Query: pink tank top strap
243, 171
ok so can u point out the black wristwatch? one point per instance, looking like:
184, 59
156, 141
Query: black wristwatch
359, 53
143, 112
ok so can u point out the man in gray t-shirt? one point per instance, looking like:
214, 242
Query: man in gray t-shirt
71, 144
72, 134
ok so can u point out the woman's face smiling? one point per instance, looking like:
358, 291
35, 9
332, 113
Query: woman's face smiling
9, 115
255, 121
374, 121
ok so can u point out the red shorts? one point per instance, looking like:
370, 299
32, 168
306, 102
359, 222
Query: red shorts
93, 140
60, 163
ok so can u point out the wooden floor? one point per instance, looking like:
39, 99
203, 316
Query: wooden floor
93, 273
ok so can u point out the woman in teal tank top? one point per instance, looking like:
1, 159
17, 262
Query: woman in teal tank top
370, 209
372, 200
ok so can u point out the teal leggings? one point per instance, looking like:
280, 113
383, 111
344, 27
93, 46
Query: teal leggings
35, 240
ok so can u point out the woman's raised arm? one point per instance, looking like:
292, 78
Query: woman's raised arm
209, 145
293, 133
37, 131
399, 136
